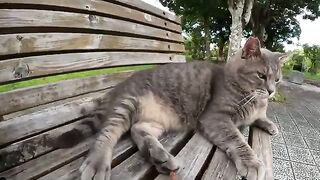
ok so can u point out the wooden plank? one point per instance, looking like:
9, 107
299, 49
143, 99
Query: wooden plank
261, 144
38, 121
100, 7
29, 97
61, 63
70, 171
220, 167
152, 9
41, 165
48, 162
136, 167
38, 42
191, 158
32, 147
13, 18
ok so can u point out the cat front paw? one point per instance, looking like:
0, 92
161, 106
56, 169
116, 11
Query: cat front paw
96, 167
251, 169
272, 129
163, 161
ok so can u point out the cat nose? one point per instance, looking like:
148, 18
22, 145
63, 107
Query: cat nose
270, 91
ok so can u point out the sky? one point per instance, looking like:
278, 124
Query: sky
310, 30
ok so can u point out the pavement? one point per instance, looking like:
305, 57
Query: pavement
296, 149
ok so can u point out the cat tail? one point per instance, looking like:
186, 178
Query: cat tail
100, 118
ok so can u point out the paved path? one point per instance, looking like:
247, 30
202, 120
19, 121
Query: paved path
296, 150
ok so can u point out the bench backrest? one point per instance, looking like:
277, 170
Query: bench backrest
47, 39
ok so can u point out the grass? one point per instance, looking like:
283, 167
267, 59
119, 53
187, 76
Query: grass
311, 76
307, 75
56, 78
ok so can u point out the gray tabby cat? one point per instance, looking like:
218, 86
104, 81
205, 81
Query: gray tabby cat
215, 100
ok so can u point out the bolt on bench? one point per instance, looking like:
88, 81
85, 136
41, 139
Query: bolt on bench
40, 39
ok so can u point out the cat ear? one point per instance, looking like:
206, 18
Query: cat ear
282, 57
251, 48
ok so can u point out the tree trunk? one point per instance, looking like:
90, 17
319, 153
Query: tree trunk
259, 31
207, 38
240, 10
220, 52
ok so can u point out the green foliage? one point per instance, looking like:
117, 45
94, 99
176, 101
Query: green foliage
313, 53
203, 22
274, 22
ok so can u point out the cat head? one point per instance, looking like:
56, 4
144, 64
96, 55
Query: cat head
255, 69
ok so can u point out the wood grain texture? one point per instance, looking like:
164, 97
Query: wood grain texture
61, 63
38, 42
103, 8
13, 18
136, 167
261, 144
71, 170
29, 97
22, 151
49, 162
191, 158
220, 167
152, 9
39, 121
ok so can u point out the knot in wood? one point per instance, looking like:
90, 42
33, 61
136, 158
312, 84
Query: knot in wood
21, 71
93, 18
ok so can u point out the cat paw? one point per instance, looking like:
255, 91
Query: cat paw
272, 129
164, 161
251, 169
96, 167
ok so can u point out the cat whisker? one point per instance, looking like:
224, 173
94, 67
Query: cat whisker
251, 99
245, 98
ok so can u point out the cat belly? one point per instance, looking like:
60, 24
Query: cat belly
153, 109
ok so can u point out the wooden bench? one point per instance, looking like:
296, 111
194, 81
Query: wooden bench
44, 38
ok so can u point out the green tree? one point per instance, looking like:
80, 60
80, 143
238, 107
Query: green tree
274, 22
313, 53
207, 16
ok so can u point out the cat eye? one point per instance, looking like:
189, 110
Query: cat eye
277, 80
262, 76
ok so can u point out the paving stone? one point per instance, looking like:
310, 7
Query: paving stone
245, 131
289, 128
313, 143
303, 123
282, 169
309, 132
316, 156
280, 151
300, 155
278, 138
305, 172
292, 139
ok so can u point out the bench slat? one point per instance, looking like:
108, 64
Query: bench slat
102, 7
32, 147
39, 42
71, 170
151, 9
261, 144
43, 164
38, 121
29, 97
136, 167
191, 158
13, 18
220, 167
61, 63
48, 162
